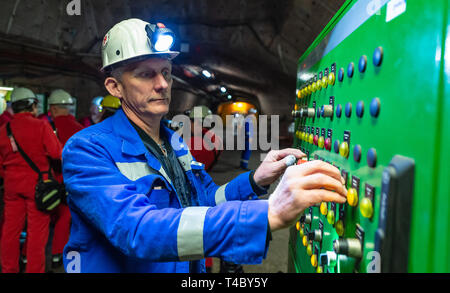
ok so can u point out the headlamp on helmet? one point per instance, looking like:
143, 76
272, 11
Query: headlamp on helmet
162, 38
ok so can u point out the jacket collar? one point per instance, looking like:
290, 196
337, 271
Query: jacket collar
132, 143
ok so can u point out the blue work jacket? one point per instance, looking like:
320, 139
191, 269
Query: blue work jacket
127, 217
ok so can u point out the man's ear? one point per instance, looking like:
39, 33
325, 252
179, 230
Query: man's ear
114, 87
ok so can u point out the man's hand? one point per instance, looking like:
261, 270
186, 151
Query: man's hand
274, 166
301, 187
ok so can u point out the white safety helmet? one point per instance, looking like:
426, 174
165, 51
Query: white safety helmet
22, 93
134, 39
2, 105
60, 97
199, 112
252, 111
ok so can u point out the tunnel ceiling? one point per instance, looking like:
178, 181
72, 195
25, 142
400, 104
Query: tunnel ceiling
251, 46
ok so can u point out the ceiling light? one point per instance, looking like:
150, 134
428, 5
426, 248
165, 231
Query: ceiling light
206, 73
223, 89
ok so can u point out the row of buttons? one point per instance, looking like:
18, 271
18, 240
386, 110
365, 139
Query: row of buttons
317, 85
374, 109
339, 147
323, 83
377, 59
326, 111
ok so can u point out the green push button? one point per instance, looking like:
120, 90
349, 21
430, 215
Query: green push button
321, 142
366, 208
331, 217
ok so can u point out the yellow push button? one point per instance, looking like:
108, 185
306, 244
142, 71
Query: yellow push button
299, 94
319, 270
331, 78
301, 233
323, 208
321, 142
314, 260
343, 149
352, 197
331, 217
309, 250
318, 85
297, 226
324, 82
340, 228
305, 240
366, 208
309, 89
311, 138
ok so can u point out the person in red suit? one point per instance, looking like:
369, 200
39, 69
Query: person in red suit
95, 113
5, 116
38, 141
65, 125
205, 146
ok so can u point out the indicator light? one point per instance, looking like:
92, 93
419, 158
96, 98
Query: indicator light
366, 208
352, 197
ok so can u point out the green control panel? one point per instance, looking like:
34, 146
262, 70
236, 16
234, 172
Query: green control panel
373, 99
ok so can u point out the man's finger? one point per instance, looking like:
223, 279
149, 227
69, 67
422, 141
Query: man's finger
320, 180
289, 151
319, 195
318, 166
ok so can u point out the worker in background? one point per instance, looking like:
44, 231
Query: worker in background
141, 203
4, 119
109, 106
95, 113
205, 146
38, 141
7, 115
65, 125
250, 127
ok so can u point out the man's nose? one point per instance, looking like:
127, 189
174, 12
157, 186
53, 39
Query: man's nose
160, 82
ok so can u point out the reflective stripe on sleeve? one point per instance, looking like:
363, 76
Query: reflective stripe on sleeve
220, 194
190, 233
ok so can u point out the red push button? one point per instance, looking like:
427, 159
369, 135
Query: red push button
328, 144
316, 139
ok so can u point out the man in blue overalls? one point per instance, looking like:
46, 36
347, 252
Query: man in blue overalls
139, 200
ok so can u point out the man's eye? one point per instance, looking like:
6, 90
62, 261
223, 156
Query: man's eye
167, 74
146, 74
